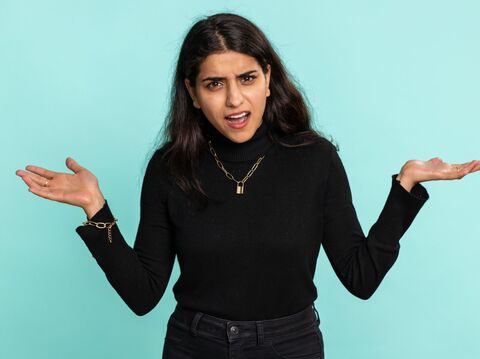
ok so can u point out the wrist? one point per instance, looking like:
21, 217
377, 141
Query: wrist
405, 181
94, 205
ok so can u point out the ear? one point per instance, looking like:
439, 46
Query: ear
267, 79
191, 91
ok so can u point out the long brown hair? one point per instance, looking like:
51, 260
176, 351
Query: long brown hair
183, 135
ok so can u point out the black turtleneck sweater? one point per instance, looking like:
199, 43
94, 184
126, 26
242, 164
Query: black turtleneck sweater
252, 256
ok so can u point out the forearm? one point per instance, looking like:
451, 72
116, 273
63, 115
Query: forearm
362, 262
137, 276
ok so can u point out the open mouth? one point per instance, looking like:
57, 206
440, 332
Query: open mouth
238, 122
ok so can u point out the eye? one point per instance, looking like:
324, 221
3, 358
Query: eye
246, 78
249, 77
210, 84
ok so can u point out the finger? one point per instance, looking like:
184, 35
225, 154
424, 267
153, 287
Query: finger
466, 169
460, 167
41, 171
45, 192
475, 166
41, 181
73, 165
466, 164
30, 182
469, 165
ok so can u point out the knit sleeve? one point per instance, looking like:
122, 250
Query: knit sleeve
362, 262
140, 274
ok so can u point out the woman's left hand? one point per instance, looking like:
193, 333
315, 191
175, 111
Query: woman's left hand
415, 171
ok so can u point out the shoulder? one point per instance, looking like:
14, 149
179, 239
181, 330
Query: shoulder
159, 157
156, 169
317, 145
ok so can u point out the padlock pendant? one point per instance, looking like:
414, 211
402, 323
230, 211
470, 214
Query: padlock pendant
240, 188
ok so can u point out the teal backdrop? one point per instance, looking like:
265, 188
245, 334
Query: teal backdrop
388, 80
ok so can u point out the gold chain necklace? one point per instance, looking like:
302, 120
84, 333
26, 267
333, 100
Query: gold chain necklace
240, 184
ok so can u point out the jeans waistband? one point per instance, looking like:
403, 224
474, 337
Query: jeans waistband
237, 329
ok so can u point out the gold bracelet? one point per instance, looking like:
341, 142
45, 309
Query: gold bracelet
102, 225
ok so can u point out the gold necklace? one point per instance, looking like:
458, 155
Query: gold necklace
240, 184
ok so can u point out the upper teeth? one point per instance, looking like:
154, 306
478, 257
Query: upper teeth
238, 116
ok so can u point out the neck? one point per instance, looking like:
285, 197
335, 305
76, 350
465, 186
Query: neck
228, 150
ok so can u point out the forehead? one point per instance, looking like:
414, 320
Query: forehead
229, 62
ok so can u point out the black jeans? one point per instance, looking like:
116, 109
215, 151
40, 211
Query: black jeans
196, 335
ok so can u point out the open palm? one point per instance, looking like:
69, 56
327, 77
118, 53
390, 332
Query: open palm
436, 169
76, 189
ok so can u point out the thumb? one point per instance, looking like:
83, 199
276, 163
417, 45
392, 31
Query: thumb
73, 165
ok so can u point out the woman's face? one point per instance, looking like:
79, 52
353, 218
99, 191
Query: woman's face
231, 83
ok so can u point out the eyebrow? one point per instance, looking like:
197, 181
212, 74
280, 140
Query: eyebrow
223, 78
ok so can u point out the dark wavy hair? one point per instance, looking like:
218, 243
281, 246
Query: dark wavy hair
183, 134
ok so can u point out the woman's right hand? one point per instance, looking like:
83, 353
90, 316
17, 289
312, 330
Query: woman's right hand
78, 189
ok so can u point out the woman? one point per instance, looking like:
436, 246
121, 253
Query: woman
243, 191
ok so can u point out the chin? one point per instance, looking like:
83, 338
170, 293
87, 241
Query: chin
240, 135
239, 138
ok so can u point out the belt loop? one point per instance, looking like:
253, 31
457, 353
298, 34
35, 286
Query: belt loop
193, 326
316, 313
259, 332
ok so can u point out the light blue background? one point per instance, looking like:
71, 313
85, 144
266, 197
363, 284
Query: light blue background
389, 80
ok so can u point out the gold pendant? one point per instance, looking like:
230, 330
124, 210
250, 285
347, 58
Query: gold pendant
239, 188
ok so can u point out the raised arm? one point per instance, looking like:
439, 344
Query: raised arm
362, 262
139, 275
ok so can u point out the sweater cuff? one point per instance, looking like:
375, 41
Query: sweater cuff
418, 191
95, 238
399, 211
103, 214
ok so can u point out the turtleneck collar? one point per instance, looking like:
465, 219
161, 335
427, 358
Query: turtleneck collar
236, 152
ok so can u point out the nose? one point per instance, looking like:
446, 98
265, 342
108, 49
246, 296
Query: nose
234, 96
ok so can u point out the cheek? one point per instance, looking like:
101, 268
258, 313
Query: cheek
213, 106
257, 98
210, 103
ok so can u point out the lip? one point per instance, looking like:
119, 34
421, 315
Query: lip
236, 113
238, 126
